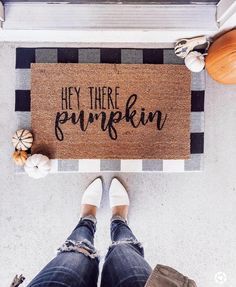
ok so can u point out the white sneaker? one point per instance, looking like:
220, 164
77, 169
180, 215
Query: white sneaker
93, 193
118, 194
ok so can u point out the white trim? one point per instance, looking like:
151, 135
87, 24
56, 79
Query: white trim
102, 38
1, 12
226, 9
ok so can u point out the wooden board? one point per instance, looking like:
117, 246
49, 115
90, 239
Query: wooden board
111, 111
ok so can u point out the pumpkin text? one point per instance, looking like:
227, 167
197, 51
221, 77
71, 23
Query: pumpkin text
109, 119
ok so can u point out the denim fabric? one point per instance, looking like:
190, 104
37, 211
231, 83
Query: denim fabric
71, 269
73, 266
124, 263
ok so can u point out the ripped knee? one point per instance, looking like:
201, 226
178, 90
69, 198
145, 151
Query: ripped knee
131, 241
84, 246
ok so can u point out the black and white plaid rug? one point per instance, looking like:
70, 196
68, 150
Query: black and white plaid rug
26, 56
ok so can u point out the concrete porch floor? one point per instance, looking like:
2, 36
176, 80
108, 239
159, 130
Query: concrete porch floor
186, 220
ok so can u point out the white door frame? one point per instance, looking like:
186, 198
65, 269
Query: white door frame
226, 13
1, 12
89, 24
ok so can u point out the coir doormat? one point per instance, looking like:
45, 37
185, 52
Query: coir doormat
26, 56
111, 111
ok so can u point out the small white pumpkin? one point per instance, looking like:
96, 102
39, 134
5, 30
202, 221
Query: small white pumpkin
22, 139
37, 166
195, 62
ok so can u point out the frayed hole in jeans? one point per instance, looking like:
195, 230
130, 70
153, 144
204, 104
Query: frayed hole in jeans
127, 241
85, 247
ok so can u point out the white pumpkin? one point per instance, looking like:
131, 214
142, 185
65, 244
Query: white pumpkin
37, 165
195, 62
22, 140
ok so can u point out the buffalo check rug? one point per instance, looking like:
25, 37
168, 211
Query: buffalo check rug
26, 56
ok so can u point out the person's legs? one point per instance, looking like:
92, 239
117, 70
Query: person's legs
124, 264
85, 229
76, 264
120, 231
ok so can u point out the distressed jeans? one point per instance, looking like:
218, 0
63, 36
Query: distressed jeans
77, 262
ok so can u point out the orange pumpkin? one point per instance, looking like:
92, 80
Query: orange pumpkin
20, 157
221, 59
